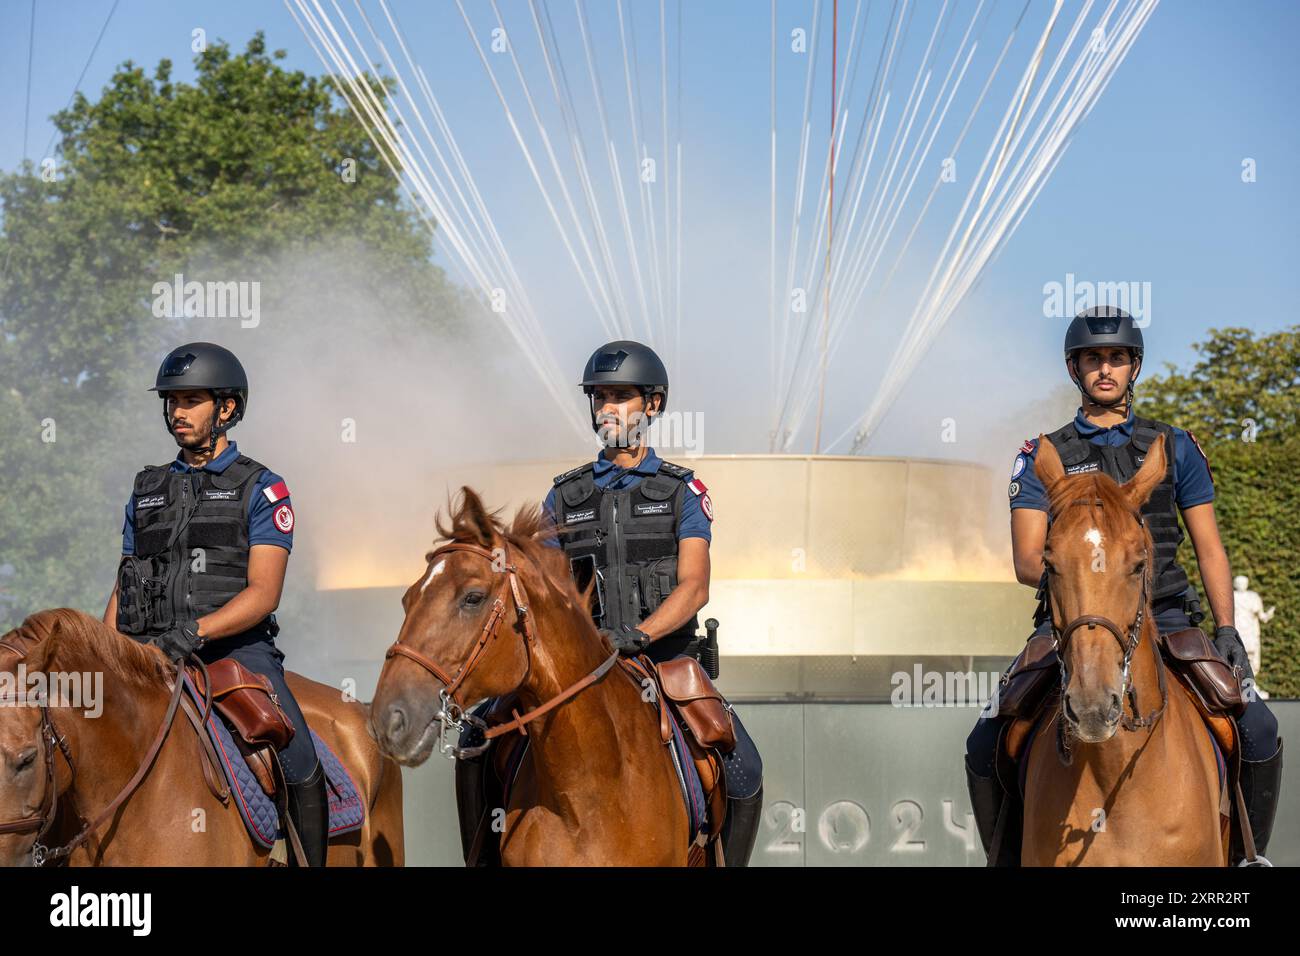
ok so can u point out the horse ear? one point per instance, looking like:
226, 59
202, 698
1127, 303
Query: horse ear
1047, 464
42, 655
1138, 488
475, 517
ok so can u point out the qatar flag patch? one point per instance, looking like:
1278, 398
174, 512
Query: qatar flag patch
702, 490
283, 518
276, 492
1028, 447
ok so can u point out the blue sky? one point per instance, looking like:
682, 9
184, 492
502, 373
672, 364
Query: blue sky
1150, 189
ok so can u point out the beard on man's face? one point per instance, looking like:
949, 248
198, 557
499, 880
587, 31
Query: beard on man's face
195, 436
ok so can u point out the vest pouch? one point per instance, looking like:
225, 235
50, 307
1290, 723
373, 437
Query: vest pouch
135, 584
657, 580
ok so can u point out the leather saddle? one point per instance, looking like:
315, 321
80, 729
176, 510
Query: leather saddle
686, 690
1033, 683
247, 703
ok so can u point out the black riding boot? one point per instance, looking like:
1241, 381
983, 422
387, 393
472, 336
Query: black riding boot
477, 792
1261, 784
310, 811
989, 802
740, 828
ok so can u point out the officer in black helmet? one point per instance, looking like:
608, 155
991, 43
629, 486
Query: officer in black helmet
640, 527
204, 550
1103, 356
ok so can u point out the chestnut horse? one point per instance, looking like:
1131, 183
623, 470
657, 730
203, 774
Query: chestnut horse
496, 612
1096, 795
62, 767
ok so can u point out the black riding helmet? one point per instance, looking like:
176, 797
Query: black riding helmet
1104, 326
202, 365
626, 363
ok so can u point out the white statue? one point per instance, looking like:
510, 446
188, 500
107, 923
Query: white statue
1248, 609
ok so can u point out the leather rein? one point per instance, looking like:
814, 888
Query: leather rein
51, 741
452, 715
1128, 642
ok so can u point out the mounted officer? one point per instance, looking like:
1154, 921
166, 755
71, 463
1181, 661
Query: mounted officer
640, 527
1103, 355
205, 545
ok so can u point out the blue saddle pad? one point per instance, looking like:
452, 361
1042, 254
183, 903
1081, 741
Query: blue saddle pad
689, 779
347, 812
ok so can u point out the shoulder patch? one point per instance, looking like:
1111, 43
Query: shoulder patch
697, 486
1204, 457
706, 506
283, 519
1013, 489
1028, 447
276, 492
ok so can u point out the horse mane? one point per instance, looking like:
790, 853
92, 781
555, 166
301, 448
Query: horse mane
85, 643
545, 567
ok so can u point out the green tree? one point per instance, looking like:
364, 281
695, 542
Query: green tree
1241, 399
230, 173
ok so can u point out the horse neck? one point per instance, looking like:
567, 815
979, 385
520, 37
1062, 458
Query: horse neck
565, 652
108, 749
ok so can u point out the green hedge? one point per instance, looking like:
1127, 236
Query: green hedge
1258, 508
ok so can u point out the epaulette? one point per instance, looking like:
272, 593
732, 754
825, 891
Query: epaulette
572, 473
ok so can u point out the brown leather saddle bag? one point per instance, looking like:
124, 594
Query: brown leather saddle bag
248, 703
698, 703
1034, 672
1216, 684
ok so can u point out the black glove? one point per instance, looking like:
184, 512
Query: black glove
181, 641
1228, 643
627, 640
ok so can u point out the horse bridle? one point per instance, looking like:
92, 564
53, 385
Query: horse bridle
51, 740
452, 714
1128, 644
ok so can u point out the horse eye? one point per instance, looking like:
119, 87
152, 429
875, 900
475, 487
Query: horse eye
26, 760
472, 599
1140, 568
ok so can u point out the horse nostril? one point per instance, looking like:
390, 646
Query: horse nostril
396, 722
1116, 705
1069, 710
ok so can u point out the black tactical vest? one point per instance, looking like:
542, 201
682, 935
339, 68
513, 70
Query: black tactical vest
627, 540
1079, 455
191, 546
